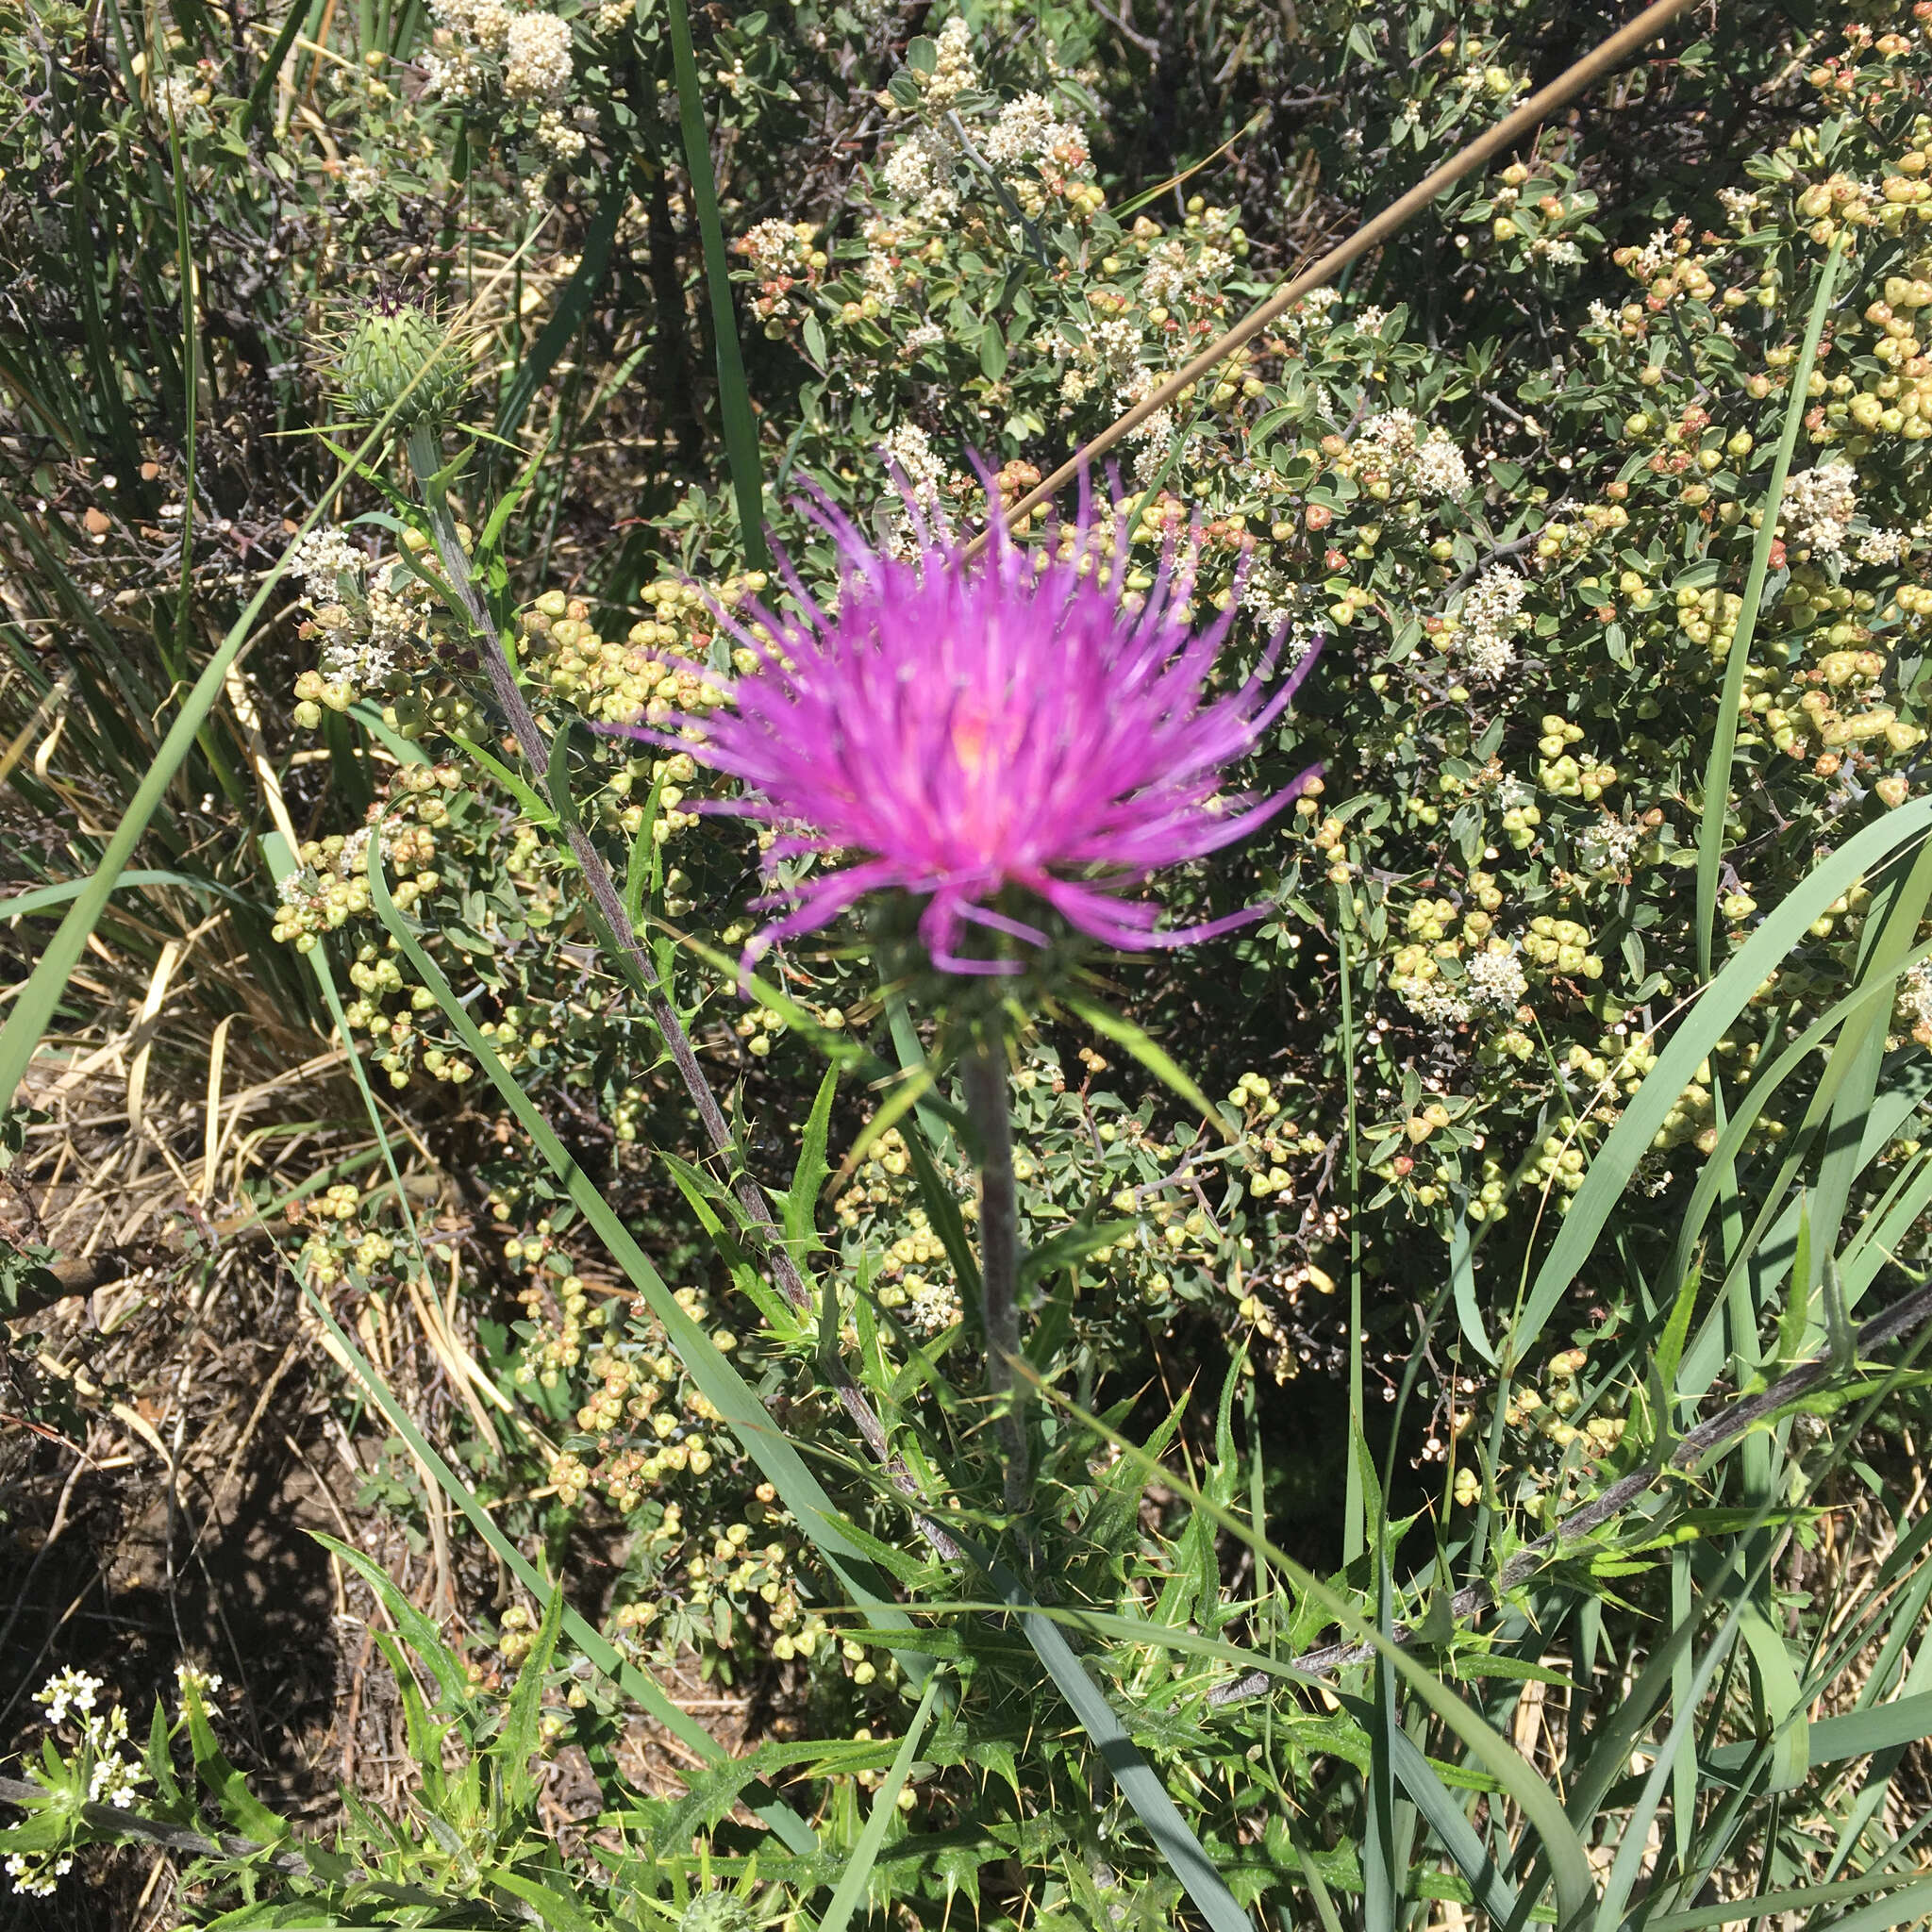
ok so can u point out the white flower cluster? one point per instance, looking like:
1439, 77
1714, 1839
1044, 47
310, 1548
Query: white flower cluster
1738, 202
1607, 844
1656, 256
931, 1305
920, 337
559, 137
352, 862
362, 181
1883, 546
772, 246
177, 100
536, 58
909, 449
1430, 1000
954, 73
1557, 250
1602, 316
878, 275
69, 1694
321, 560
1497, 977
72, 1697
1820, 505
1028, 128
1494, 979
1491, 616
1268, 594
1180, 275
352, 657
191, 1680
919, 172
114, 1778
451, 74
1430, 464
486, 21
33, 1875
1112, 352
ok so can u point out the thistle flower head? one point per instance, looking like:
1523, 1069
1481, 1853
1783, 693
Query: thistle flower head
993, 740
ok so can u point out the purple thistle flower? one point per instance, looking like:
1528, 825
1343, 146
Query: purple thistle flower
961, 730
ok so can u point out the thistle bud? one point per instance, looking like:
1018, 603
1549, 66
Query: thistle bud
395, 356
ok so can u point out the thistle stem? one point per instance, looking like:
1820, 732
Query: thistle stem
987, 1107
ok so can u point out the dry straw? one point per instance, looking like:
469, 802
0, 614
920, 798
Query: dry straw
1371, 234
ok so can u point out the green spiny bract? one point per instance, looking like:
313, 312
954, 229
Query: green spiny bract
716, 1911
399, 357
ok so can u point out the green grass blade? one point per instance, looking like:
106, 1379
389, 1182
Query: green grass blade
885, 1807
1897, 909
271, 66
1697, 1033
1873, 989
1717, 772
854, 1557
1438, 1805
1138, 1782
637, 1684
45, 898
1762, 1905
33, 1012
734, 391
1469, 1314
1568, 1862
1856, 1734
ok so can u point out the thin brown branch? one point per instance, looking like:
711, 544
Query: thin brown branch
1505, 134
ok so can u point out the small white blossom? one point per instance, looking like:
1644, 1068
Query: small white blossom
919, 172
191, 1677
1820, 505
909, 449
1430, 1000
321, 560
931, 1305
536, 60
33, 1873
69, 1693
1028, 128
1430, 463
954, 72
361, 181
1607, 844
1496, 976
453, 75
1491, 616
1883, 546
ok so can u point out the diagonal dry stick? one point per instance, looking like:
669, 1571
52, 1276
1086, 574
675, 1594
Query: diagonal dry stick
1371, 234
